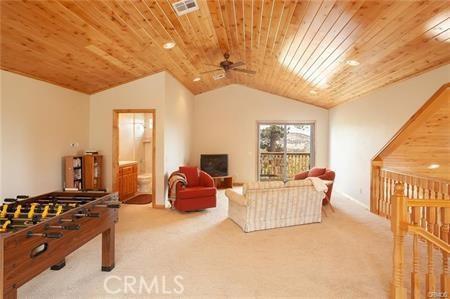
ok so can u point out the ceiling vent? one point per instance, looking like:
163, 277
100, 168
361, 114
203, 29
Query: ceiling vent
185, 6
219, 76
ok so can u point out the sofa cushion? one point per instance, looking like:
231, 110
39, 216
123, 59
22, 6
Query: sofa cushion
195, 192
192, 175
262, 185
298, 183
316, 171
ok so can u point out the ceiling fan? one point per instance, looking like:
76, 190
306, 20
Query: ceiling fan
228, 65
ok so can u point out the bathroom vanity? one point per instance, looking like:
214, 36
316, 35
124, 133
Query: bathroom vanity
128, 178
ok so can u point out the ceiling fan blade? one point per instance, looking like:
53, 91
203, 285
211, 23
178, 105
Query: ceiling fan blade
245, 71
214, 65
211, 71
237, 64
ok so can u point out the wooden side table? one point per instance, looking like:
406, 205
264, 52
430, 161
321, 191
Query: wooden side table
223, 182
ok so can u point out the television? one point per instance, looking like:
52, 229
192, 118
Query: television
214, 165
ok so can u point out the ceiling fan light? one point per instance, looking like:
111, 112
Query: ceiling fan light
352, 62
196, 79
169, 45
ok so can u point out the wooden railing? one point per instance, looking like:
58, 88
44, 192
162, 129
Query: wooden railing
384, 180
271, 165
428, 222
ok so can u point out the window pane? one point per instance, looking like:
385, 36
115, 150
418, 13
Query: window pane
298, 149
271, 148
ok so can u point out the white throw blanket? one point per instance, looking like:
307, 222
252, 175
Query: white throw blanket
318, 184
174, 179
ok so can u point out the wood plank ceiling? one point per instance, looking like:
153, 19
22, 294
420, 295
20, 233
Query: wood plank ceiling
422, 147
298, 48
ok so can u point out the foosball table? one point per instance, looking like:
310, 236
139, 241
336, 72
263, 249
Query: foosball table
38, 233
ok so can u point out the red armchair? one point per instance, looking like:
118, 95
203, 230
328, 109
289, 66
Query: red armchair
321, 173
200, 192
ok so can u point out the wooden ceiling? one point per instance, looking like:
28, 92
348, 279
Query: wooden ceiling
295, 46
423, 141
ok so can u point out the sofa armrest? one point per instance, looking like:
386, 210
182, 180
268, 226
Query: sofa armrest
206, 180
328, 176
236, 197
301, 176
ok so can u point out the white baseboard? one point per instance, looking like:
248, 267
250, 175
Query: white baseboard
353, 199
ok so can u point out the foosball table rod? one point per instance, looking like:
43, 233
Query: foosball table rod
50, 235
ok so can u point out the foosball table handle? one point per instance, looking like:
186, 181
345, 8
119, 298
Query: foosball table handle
45, 235
53, 235
66, 220
64, 227
91, 215
71, 227
112, 205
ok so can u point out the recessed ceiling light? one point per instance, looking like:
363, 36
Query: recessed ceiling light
169, 45
196, 79
352, 62
313, 92
434, 166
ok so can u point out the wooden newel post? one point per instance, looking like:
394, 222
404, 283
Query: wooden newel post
399, 222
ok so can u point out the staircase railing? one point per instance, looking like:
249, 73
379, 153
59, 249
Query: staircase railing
428, 222
419, 187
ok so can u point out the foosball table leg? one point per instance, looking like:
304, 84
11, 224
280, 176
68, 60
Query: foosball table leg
58, 266
10, 294
108, 248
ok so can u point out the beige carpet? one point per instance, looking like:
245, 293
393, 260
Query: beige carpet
348, 255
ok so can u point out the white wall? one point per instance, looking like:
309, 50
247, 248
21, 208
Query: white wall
145, 93
359, 129
225, 122
39, 121
179, 113
1, 154
126, 137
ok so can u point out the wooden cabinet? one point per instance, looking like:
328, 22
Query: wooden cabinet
223, 182
128, 175
83, 172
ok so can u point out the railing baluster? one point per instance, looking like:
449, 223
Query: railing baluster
381, 194
388, 197
398, 220
445, 219
430, 280
415, 284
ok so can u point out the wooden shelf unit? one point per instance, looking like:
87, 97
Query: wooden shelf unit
84, 172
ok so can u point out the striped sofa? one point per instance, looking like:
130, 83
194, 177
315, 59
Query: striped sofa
265, 205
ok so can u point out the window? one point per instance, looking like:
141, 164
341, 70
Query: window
284, 149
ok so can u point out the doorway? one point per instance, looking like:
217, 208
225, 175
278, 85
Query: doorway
284, 149
133, 153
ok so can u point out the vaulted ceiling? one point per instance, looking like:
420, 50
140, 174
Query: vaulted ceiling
422, 146
299, 49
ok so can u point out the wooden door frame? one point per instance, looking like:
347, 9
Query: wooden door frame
115, 148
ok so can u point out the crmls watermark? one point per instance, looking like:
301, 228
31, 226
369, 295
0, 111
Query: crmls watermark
157, 285
437, 295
